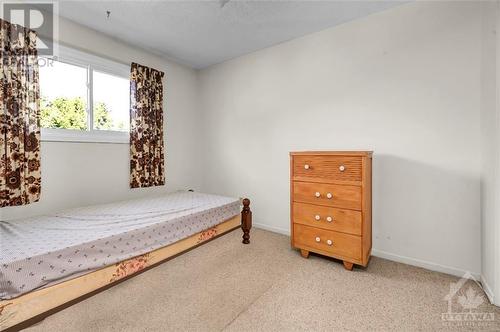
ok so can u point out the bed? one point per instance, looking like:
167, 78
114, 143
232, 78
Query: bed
52, 261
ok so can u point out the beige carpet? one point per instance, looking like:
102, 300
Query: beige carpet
266, 286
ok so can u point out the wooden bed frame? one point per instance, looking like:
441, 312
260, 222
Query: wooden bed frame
32, 307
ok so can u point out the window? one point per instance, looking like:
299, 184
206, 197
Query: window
111, 98
63, 96
84, 98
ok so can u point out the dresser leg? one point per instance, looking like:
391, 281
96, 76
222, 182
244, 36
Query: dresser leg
348, 266
304, 253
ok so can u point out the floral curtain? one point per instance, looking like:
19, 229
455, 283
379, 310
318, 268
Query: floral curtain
20, 177
146, 127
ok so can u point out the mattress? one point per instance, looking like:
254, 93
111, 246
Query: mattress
43, 251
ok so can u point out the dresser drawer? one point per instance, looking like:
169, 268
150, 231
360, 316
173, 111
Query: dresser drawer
348, 197
327, 168
329, 242
346, 221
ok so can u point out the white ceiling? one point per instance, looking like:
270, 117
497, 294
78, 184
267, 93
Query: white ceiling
202, 33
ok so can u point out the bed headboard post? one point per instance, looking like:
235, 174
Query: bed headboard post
246, 220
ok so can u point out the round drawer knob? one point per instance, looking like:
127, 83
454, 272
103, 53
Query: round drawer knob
306, 166
318, 239
329, 195
317, 194
317, 217
329, 219
342, 168
329, 242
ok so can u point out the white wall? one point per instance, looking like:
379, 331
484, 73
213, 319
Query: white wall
404, 83
497, 244
78, 174
490, 142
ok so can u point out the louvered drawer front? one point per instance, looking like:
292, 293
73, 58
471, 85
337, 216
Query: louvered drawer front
341, 196
327, 168
346, 221
329, 242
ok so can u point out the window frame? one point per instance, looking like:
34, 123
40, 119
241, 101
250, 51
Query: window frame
91, 62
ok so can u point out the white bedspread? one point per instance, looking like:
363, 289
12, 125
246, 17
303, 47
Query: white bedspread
39, 252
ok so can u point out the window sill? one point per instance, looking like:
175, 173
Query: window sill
80, 136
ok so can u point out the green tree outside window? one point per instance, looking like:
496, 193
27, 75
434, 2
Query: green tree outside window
70, 113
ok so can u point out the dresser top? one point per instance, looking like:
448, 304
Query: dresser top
332, 153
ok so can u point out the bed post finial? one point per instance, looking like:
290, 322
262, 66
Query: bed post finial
246, 220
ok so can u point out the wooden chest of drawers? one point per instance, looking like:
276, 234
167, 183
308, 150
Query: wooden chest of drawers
331, 202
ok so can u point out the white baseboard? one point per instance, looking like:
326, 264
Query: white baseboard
487, 289
396, 258
424, 264
272, 229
